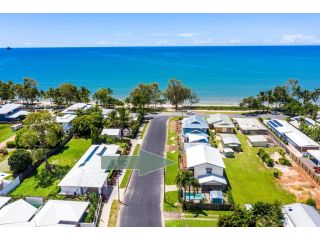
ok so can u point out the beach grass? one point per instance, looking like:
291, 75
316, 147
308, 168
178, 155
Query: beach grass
251, 180
43, 183
5, 132
127, 175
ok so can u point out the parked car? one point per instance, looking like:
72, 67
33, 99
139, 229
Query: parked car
190, 112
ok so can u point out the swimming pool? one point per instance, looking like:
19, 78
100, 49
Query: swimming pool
197, 196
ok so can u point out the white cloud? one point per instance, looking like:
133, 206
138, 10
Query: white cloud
162, 42
187, 34
299, 39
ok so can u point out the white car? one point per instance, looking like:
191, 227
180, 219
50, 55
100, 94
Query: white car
190, 112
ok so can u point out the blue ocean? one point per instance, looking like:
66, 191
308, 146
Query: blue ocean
220, 75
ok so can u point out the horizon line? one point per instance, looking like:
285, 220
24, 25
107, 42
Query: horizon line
164, 46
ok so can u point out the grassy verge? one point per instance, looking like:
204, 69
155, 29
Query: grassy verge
114, 212
172, 171
171, 198
43, 183
5, 132
126, 177
191, 223
250, 180
144, 129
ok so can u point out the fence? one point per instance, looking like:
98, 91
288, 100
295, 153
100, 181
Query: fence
202, 206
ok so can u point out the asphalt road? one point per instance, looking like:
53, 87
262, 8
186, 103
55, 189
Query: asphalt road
142, 201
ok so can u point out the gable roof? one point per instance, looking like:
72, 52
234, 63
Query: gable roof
77, 106
302, 215
4, 200
193, 137
203, 153
111, 131
17, 212
220, 120
212, 178
194, 121
257, 138
249, 124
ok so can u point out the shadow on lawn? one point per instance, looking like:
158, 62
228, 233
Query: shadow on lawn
198, 212
46, 178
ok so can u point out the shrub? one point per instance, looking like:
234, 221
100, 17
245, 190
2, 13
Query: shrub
11, 144
230, 197
310, 201
276, 174
281, 152
20, 160
4, 151
284, 161
270, 162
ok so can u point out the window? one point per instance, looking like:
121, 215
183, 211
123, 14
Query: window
208, 170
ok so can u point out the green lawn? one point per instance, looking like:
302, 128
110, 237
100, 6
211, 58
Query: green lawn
4, 167
172, 171
126, 177
41, 183
210, 214
144, 129
5, 132
191, 223
250, 180
169, 202
114, 212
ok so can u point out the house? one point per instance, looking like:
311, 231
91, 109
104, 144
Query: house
196, 138
60, 213
293, 136
112, 132
194, 124
76, 107
300, 215
12, 112
230, 141
19, 211
258, 141
66, 121
4, 201
314, 156
87, 174
106, 111
251, 126
221, 123
295, 121
207, 165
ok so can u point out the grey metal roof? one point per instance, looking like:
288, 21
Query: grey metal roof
230, 139
220, 120
5, 109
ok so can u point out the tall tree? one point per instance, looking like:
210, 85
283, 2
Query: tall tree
84, 94
42, 127
7, 91
176, 93
27, 91
68, 92
103, 97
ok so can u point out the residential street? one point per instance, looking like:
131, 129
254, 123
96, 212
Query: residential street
142, 201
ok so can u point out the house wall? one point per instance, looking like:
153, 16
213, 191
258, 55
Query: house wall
259, 144
200, 170
224, 130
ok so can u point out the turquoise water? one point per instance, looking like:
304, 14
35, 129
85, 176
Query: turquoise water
197, 196
218, 74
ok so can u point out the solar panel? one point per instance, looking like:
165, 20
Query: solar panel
278, 123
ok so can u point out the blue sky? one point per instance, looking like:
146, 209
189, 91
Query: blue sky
64, 30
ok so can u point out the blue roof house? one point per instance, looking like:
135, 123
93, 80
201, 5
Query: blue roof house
12, 112
195, 125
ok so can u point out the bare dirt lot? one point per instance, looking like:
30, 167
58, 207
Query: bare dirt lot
296, 181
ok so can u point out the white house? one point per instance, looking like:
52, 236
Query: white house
66, 121
87, 173
75, 107
17, 212
112, 132
300, 215
12, 112
314, 156
207, 165
4, 201
60, 213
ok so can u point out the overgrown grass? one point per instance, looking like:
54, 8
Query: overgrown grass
170, 199
191, 223
43, 183
250, 180
172, 171
5, 132
127, 175
114, 212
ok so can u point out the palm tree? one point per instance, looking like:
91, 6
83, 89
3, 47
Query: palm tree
182, 181
194, 183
